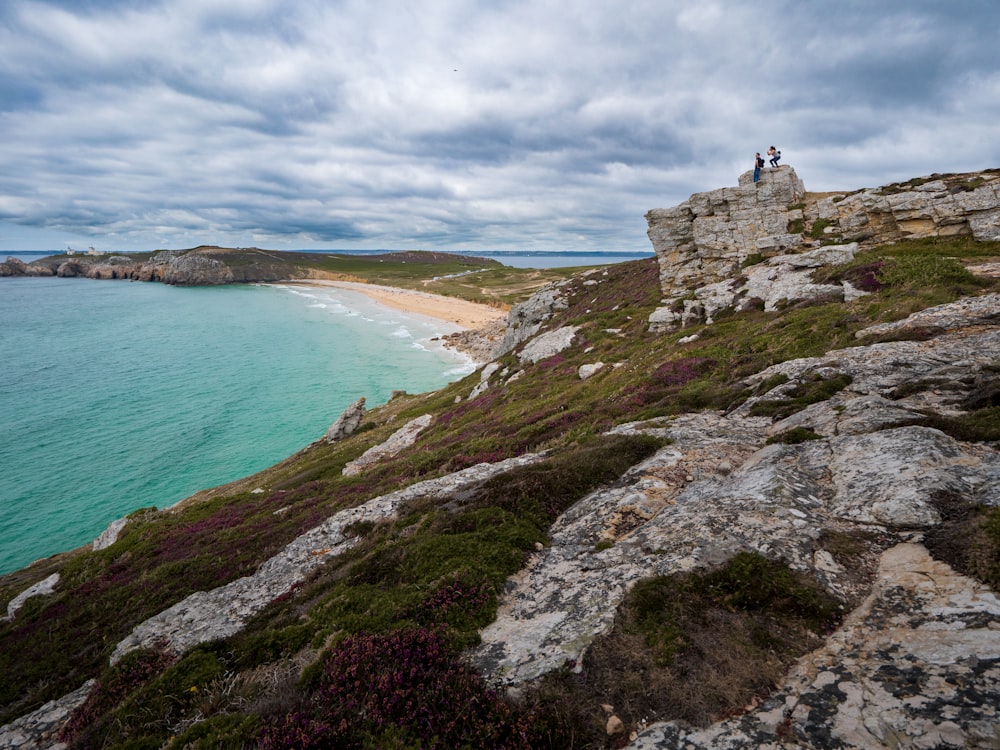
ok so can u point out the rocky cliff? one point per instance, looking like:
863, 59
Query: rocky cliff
709, 239
829, 419
200, 266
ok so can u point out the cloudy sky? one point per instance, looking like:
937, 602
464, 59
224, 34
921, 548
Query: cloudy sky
464, 124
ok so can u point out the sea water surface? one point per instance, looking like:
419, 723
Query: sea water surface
116, 395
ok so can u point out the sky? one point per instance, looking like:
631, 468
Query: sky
464, 124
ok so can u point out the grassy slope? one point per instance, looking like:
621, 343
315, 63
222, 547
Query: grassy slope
438, 570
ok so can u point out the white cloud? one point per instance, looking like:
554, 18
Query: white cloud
463, 123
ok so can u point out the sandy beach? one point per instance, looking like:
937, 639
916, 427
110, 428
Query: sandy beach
469, 315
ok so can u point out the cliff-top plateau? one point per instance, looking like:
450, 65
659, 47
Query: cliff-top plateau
744, 494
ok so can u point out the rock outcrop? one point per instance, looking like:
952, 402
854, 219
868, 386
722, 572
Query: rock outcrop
402, 438
705, 243
527, 318
17, 267
706, 239
200, 266
775, 281
347, 422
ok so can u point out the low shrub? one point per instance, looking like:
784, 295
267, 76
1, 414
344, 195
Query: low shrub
967, 538
117, 682
401, 689
978, 426
794, 436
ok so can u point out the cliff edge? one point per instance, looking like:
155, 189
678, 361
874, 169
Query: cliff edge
713, 236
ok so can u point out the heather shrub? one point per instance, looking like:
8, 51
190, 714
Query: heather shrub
134, 670
968, 538
667, 380
544, 490
977, 426
220, 732
794, 436
146, 713
406, 688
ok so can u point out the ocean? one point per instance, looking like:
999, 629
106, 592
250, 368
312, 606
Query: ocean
116, 395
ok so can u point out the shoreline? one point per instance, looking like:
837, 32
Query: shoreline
482, 326
449, 309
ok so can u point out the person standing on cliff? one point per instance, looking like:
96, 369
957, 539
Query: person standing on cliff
758, 162
775, 155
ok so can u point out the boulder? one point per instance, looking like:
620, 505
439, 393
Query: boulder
402, 438
548, 344
347, 422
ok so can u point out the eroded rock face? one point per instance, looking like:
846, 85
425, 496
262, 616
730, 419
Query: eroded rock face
527, 318
935, 206
703, 244
706, 239
17, 267
347, 422
767, 285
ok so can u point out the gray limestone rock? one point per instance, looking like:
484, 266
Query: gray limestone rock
347, 422
42, 588
39, 729
110, 535
526, 319
548, 344
402, 438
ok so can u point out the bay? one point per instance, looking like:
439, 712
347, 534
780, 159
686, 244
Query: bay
116, 396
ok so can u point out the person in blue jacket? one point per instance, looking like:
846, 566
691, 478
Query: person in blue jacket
758, 162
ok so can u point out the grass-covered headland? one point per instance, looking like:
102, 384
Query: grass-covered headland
367, 653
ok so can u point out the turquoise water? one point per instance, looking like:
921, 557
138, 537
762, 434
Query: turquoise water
116, 395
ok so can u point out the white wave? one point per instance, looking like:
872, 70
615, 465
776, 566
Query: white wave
457, 372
